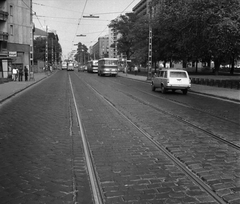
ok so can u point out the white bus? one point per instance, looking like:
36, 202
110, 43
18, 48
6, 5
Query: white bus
70, 66
92, 66
107, 66
64, 65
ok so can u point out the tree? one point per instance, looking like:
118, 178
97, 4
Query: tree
82, 53
139, 34
198, 30
123, 26
40, 49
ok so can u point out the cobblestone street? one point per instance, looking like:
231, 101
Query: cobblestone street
141, 151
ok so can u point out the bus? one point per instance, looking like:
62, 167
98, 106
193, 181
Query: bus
64, 65
108, 66
92, 66
70, 66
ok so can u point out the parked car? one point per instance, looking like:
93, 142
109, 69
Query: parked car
171, 79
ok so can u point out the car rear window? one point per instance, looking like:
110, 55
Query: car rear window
178, 75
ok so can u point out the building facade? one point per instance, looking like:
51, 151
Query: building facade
100, 49
16, 35
113, 44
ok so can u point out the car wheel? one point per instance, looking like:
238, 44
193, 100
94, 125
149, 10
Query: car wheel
153, 87
184, 91
163, 89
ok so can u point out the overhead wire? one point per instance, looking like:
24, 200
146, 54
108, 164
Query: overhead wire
32, 12
107, 26
79, 22
81, 18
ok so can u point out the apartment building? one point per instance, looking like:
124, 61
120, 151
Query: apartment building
101, 48
112, 44
145, 7
16, 35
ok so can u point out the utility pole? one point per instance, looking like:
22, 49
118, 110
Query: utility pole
52, 53
46, 53
149, 75
31, 38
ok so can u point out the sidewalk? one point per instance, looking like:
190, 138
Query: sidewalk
225, 93
11, 88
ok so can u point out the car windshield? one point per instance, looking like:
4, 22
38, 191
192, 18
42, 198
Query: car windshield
176, 74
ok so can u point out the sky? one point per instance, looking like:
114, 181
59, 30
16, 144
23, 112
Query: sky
66, 17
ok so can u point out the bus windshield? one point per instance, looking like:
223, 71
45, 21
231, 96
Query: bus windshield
95, 63
111, 62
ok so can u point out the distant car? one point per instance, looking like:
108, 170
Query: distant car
171, 79
82, 68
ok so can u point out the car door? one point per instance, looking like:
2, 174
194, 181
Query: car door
157, 79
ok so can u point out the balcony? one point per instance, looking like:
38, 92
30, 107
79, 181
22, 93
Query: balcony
3, 36
3, 15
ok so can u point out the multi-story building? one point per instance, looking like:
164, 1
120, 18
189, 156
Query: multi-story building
16, 35
145, 7
113, 44
101, 48
141, 8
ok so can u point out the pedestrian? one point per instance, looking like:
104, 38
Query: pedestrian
135, 70
14, 74
17, 75
51, 68
26, 73
20, 74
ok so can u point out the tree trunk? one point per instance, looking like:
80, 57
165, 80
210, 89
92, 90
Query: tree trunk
216, 66
196, 66
184, 63
232, 67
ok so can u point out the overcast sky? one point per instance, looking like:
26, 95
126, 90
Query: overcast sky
66, 17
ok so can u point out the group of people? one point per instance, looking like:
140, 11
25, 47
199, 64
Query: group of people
17, 74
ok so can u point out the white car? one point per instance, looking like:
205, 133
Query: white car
171, 79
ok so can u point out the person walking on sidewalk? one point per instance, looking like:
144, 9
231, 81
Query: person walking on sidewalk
135, 70
14, 74
26, 73
20, 74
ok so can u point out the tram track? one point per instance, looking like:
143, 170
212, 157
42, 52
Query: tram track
160, 147
182, 166
96, 190
181, 119
183, 104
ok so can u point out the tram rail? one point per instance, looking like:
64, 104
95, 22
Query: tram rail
163, 149
179, 118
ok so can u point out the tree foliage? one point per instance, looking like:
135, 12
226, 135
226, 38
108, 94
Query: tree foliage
82, 54
122, 26
40, 49
199, 30
183, 30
